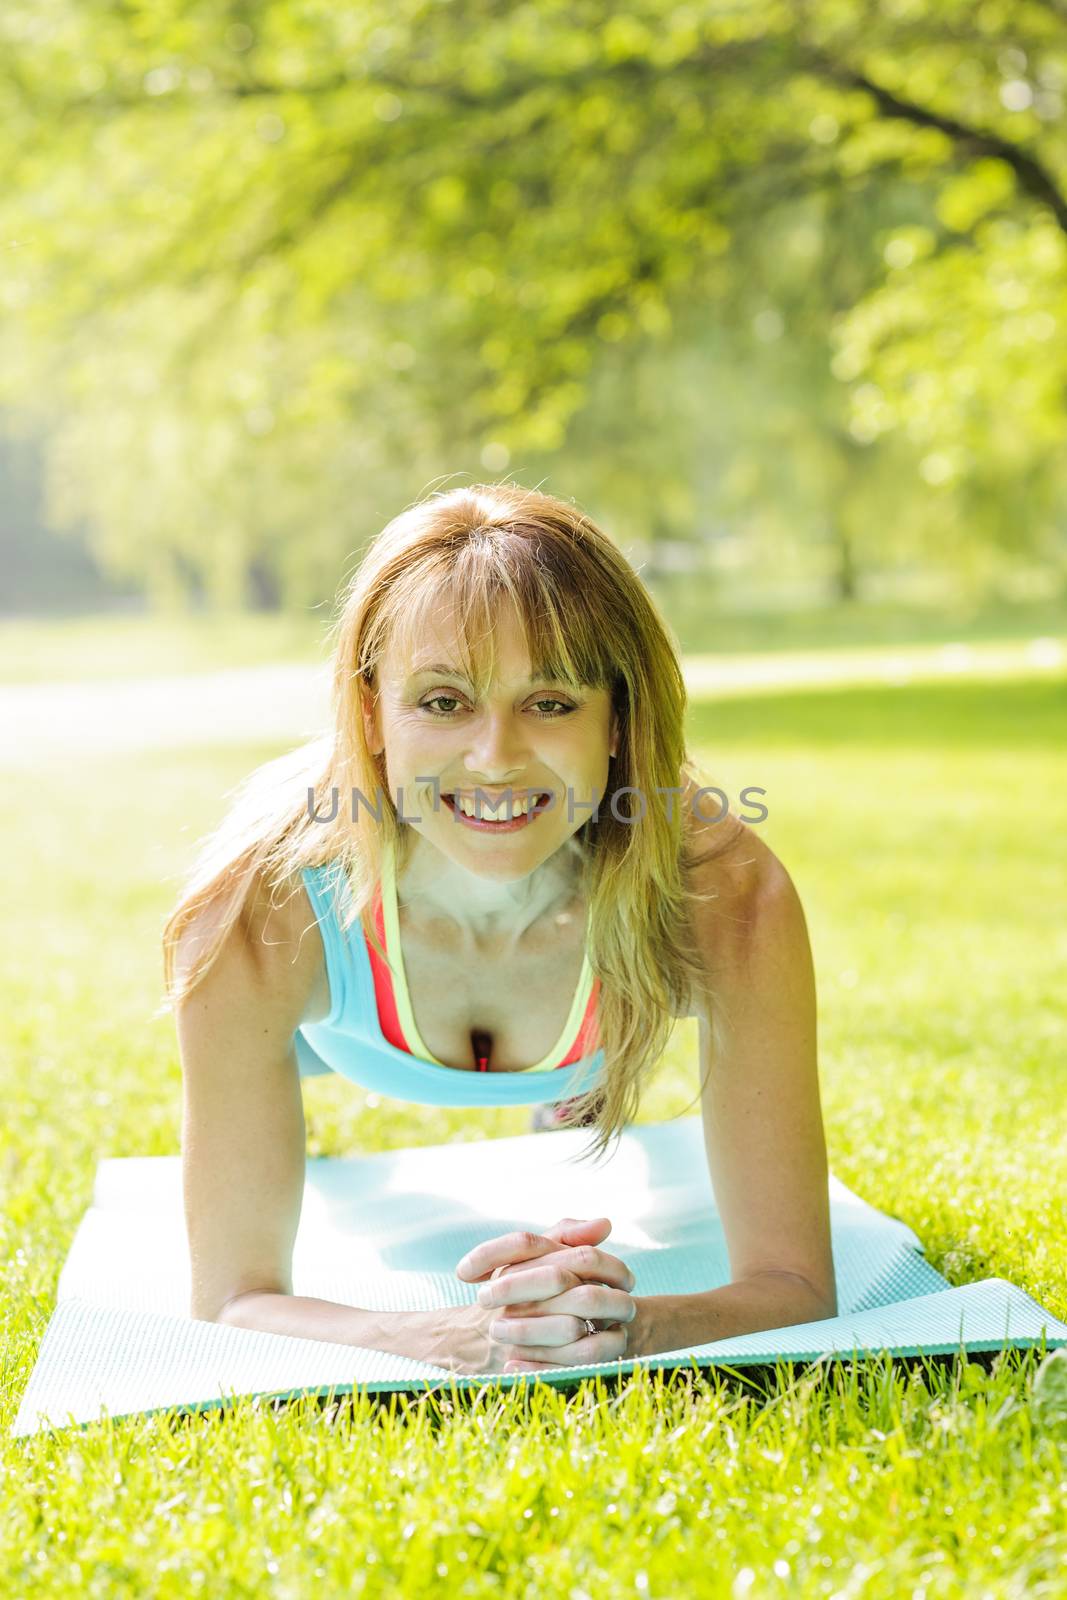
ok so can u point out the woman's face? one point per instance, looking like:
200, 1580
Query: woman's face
534, 737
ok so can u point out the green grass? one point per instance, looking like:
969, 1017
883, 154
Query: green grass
925, 829
704, 626
50, 650
41, 650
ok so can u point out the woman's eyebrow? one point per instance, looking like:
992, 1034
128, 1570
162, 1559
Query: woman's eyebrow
441, 666
456, 672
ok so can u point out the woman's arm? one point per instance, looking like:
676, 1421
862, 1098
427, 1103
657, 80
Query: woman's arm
763, 1135
762, 1118
243, 1152
243, 1143
243, 1136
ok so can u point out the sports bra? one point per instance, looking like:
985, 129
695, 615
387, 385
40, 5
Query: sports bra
370, 1035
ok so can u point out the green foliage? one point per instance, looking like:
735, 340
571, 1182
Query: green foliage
257, 259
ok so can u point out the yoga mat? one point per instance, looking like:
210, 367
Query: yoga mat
385, 1230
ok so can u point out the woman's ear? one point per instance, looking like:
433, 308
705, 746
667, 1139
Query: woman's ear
375, 742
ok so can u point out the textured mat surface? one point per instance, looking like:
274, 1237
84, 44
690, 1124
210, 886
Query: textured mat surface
385, 1231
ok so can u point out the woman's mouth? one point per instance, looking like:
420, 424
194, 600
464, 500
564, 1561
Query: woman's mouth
514, 814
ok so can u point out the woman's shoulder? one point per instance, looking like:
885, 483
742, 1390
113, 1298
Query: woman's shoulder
727, 868
276, 919
245, 945
725, 859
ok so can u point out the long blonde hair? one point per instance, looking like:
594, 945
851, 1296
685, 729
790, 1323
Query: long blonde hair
589, 621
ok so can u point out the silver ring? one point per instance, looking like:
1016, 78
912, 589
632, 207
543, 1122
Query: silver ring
497, 1270
590, 1327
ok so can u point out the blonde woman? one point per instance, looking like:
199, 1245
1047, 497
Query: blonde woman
497, 655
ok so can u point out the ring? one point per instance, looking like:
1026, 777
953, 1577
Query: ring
499, 1269
590, 1327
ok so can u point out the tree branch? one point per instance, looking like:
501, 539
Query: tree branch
1032, 175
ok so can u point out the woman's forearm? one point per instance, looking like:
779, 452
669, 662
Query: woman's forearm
456, 1337
303, 1317
679, 1321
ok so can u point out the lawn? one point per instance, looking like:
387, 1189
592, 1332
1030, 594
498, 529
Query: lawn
925, 829
48, 650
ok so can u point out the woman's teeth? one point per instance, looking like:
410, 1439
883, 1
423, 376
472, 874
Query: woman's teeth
519, 808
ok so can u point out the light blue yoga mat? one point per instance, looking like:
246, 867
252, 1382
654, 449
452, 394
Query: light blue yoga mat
386, 1230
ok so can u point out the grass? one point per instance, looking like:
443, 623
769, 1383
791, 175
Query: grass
703, 627
925, 829
50, 650
47, 650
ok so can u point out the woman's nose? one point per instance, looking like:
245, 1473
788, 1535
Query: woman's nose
497, 748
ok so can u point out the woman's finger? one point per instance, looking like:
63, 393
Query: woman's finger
607, 1344
551, 1328
546, 1330
562, 1269
578, 1230
509, 1248
593, 1300
503, 1251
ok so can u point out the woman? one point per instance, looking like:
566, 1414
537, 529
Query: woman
496, 654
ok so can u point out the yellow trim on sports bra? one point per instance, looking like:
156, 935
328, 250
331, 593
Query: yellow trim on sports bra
403, 1001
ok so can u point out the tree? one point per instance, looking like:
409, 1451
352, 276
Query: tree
258, 255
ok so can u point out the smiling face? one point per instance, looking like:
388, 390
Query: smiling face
525, 733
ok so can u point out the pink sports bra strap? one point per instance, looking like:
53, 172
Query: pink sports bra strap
585, 1042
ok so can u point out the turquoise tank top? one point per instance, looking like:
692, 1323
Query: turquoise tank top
350, 1041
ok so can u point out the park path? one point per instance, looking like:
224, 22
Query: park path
245, 705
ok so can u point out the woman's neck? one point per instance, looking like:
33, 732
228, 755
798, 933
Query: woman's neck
433, 887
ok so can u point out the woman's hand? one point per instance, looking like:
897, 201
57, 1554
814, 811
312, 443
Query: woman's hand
538, 1289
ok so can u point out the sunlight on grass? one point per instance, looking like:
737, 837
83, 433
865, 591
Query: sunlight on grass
925, 830
48, 650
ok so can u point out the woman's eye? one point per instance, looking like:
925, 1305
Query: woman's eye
563, 703
451, 699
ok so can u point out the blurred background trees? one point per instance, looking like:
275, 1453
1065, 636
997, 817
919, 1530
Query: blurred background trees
778, 294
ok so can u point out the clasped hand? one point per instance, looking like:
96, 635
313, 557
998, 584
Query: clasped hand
538, 1290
